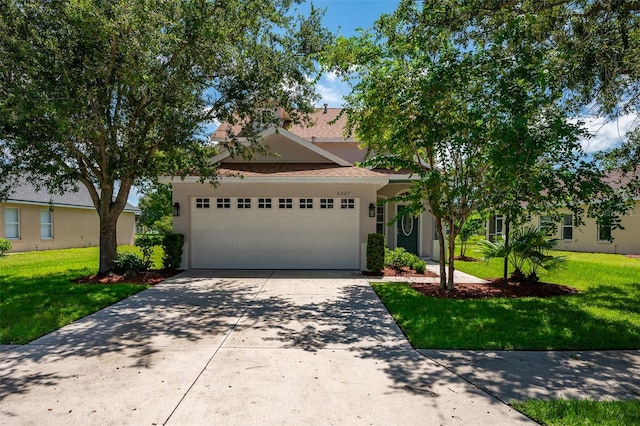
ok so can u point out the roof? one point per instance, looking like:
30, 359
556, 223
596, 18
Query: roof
294, 170
25, 192
319, 128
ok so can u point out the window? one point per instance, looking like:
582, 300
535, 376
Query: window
244, 203
495, 227
326, 203
380, 219
11, 223
567, 227
306, 203
604, 232
46, 224
223, 203
347, 203
202, 203
264, 203
285, 203
547, 225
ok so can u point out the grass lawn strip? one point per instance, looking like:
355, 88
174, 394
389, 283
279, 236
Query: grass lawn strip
604, 315
582, 412
38, 297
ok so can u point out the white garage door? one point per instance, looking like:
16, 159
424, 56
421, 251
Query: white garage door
274, 232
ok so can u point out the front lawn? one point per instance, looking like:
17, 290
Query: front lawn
584, 412
37, 295
604, 315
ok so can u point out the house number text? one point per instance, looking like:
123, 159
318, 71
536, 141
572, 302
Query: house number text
343, 193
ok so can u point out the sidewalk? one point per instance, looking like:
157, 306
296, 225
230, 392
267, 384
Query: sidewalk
522, 375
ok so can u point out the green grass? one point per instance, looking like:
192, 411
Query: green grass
604, 315
37, 295
584, 412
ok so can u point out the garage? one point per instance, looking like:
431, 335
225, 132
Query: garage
274, 233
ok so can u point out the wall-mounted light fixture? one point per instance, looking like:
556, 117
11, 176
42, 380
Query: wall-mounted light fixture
50, 208
176, 209
372, 210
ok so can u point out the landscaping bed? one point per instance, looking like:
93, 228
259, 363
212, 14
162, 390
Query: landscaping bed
494, 288
151, 277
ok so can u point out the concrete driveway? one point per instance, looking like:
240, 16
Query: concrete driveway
216, 347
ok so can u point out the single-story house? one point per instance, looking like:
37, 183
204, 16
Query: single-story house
305, 206
38, 220
589, 237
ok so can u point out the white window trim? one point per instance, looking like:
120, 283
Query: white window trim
50, 224
12, 223
564, 226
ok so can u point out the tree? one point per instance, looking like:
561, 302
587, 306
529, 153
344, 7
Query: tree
466, 113
112, 94
155, 208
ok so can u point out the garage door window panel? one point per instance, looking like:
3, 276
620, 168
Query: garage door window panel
244, 203
223, 203
203, 203
285, 203
264, 203
326, 203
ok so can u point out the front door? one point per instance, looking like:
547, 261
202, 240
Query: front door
407, 232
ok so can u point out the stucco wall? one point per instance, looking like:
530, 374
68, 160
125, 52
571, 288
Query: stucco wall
585, 237
72, 227
425, 238
183, 192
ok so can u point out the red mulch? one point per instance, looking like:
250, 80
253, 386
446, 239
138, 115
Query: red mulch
466, 259
403, 272
151, 277
633, 256
497, 287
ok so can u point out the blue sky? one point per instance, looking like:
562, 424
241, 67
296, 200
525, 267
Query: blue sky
344, 17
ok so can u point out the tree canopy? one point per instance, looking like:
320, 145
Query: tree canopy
473, 98
109, 94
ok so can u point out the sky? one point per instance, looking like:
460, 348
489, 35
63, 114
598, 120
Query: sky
344, 17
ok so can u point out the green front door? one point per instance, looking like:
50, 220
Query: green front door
407, 232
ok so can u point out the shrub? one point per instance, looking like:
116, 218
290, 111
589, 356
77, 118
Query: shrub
528, 251
129, 262
419, 266
172, 245
5, 246
146, 242
375, 252
399, 258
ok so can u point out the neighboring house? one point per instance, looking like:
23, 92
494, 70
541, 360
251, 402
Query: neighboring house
588, 237
38, 220
307, 206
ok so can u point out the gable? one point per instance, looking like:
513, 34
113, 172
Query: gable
287, 148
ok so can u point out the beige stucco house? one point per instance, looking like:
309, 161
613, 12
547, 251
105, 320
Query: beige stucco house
593, 238
306, 205
38, 220
588, 237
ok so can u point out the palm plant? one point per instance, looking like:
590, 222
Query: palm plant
528, 251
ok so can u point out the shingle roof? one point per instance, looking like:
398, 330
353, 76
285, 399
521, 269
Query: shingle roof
26, 192
319, 128
294, 170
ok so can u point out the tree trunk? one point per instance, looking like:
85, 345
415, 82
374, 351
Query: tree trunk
108, 243
505, 266
452, 252
443, 257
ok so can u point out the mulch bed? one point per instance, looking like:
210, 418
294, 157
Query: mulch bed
633, 256
151, 277
403, 272
497, 287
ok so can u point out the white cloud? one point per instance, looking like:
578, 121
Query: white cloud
331, 77
331, 90
607, 133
